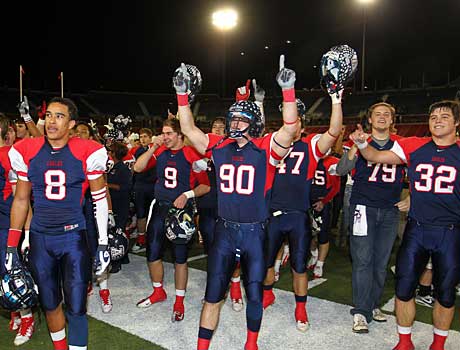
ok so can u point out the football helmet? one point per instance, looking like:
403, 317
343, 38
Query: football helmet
18, 290
337, 67
246, 110
179, 224
195, 82
118, 243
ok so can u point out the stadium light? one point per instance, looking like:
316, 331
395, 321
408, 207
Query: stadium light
224, 20
364, 4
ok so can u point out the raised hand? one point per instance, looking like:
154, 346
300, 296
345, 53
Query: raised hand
24, 110
181, 80
259, 92
359, 137
243, 92
285, 77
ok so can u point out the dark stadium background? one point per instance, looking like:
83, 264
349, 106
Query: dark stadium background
136, 45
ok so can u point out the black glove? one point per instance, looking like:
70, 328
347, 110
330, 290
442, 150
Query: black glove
102, 259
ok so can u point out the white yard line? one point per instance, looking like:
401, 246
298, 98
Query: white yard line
330, 322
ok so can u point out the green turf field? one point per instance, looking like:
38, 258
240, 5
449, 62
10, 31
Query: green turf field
102, 336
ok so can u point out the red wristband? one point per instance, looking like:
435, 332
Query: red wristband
182, 99
289, 95
14, 235
290, 123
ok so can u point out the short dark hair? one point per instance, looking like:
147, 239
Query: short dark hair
220, 120
73, 110
90, 129
119, 150
454, 106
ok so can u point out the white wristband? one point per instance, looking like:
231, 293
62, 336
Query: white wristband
189, 194
27, 118
41, 122
362, 145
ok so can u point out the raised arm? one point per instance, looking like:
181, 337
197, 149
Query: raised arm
359, 137
327, 139
181, 82
286, 134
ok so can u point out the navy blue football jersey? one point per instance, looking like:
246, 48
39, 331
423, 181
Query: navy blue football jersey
292, 185
59, 179
325, 184
377, 185
209, 200
434, 179
174, 172
244, 177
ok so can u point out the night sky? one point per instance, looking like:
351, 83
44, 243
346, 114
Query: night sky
136, 45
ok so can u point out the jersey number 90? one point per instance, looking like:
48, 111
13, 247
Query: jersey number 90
239, 179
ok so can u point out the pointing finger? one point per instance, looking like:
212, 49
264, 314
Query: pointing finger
254, 84
183, 67
281, 62
25, 100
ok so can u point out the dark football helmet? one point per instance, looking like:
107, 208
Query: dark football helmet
18, 290
179, 224
316, 221
195, 83
337, 67
118, 243
247, 110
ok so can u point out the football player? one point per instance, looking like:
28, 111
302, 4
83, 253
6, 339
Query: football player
22, 322
245, 167
433, 226
290, 204
176, 187
56, 170
325, 186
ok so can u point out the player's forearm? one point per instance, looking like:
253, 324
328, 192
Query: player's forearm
19, 210
345, 164
143, 160
287, 133
201, 190
328, 139
33, 130
189, 129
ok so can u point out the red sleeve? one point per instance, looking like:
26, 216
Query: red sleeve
213, 140
201, 178
153, 159
314, 153
333, 181
404, 146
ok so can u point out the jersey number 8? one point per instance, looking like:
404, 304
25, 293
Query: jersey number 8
55, 184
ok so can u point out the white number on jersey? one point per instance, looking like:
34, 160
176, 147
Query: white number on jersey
443, 184
171, 177
320, 178
296, 169
388, 172
232, 178
55, 179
